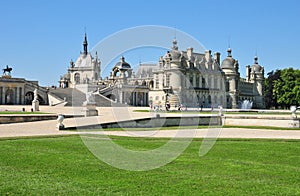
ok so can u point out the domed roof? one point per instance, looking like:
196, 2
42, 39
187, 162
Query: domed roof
228, 62
122, 64
256, 67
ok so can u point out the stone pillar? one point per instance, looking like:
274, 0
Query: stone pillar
145, 99
3, 95
20, 95
136, 99
133, 98
17, 90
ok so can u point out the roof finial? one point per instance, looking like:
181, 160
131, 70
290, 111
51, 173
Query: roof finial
255, 59
229, 52
122, 59
175, 47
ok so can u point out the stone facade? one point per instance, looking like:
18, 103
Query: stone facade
86, 69
179, 78
18, 91
239, 89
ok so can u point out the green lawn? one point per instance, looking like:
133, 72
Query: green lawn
64, 166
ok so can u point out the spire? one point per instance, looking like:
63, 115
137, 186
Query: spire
85, 45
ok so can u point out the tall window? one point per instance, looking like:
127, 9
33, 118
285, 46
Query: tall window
77, 78
203, 82
156, 81
167, 80
197, 81
215, 82
191, 81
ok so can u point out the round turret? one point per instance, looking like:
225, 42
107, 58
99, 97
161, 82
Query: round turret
229, 63
256, 67
122, 64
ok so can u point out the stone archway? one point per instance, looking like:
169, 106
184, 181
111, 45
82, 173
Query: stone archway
77, 78
29, 98
151, 84
9, 97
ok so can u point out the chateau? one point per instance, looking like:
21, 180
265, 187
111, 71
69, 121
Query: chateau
179, 78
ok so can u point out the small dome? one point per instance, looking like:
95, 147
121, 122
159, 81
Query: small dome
122, 64
256, 67
228, 62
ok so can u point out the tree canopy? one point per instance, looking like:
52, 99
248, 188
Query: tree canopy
282, 88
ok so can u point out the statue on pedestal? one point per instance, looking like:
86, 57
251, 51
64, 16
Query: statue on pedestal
90, 104
7, 72
35, 102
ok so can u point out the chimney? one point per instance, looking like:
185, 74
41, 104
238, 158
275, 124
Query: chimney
189, 52
207, 54
248, 73
217, 57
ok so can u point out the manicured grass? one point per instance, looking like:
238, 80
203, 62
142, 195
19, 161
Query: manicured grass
192, 127
16, 112
64, 166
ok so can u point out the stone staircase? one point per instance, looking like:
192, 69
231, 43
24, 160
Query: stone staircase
74, 97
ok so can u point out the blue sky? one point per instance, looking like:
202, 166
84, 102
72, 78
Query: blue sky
38, 38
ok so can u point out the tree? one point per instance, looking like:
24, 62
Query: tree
270, 100
283, 88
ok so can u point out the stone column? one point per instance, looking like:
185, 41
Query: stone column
133, 98
145, 99
136, 99
22, 95
17, 101
3, 95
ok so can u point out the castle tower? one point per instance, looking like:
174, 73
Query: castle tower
257, 77
230, 67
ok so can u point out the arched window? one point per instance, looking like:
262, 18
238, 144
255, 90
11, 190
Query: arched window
151, 84
209, 99
203, 83
77, 78
9, 96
